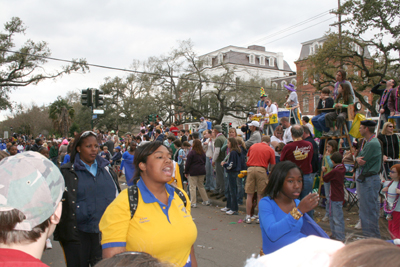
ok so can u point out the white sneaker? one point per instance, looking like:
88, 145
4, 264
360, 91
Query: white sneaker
254, 217
326, 218
225, 209
48, 244
194, 206
358, 225
206, 203
247, 219
231, 212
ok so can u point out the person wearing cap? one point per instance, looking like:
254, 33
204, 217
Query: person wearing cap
116, 159
293, 102
368, 163
203, 126
259, 157
91, 187
262, 102
31, 188
245, 127
255, 136
217, 158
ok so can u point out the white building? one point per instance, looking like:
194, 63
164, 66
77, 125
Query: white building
249, 63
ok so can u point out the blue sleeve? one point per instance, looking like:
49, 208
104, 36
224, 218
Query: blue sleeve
275, 229
66, 159
329, 161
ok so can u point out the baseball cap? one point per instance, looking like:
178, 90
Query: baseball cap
32, 184
254, 123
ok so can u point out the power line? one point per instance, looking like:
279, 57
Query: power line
294, 26
138, 72
299, 31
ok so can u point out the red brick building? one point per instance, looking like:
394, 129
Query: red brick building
308, 95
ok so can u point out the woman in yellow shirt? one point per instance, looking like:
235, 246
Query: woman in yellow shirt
162, 225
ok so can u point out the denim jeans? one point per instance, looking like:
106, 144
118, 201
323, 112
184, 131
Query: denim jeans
336, 220
327, 188
226, 183
220, 184
295, 116
319, 122
308, 184
240, 190
232, 203
368, 192
210, 180
267, 129
201, 133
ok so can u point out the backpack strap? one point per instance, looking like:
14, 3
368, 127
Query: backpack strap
133, 199
182, 196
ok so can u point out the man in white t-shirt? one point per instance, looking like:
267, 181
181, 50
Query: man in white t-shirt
287, 136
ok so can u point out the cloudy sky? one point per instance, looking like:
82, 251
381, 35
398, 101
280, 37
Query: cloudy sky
114, 33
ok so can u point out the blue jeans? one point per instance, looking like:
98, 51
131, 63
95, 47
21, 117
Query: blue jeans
327, 188
232, 203
308, 184
201, 133
295, 116
368, 192
267, 130
210, 180
319, 122
240, 190
226, 183
336, 220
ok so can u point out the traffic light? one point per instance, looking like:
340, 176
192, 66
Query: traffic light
86, 98
230, 125
98, 98
224, 128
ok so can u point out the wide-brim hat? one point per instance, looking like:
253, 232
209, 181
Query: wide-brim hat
290, 87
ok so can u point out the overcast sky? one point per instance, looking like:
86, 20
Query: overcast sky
114, 33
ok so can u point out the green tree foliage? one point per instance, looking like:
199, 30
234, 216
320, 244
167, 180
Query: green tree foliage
25, 67
61, 113
30, 120
368, 48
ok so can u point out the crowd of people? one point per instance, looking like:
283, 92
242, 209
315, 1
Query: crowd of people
271, 166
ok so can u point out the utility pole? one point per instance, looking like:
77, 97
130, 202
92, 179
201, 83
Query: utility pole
339, 23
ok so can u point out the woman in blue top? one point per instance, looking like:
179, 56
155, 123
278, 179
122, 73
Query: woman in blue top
127, 163
233, 167
280, 210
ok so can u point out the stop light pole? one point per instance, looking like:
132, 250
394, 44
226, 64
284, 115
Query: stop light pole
87, 97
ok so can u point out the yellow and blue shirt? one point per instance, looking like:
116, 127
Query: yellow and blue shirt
167, 232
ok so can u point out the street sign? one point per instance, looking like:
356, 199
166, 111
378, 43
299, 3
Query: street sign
94, 117
98, 111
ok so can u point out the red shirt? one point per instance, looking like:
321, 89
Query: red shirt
336, 178
300, 153
18, 258
260, 154
174, 130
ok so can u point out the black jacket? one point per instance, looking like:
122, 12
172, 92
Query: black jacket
315, 159
377, 91
66, 230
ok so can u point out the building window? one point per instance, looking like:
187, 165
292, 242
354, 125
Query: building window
283, 83
262, 60
274, 85
220, 58
252, 59
208, 61
293, 81
311, 50
316, 100
305, 78
271, 61
306, 107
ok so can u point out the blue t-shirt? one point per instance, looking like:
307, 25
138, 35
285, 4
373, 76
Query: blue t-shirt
278, 229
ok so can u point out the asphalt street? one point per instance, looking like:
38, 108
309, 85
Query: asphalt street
221, 240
